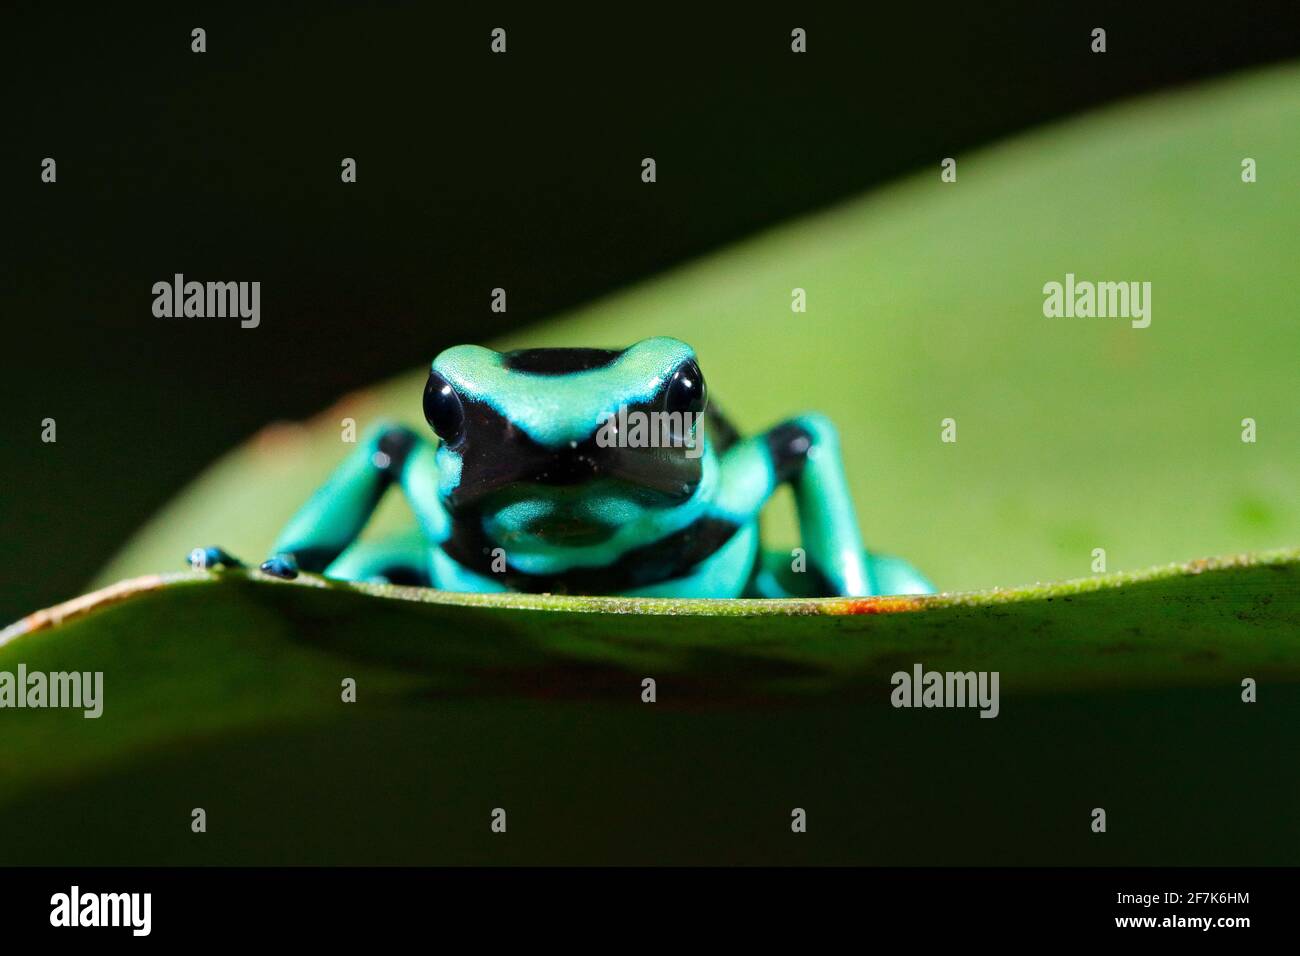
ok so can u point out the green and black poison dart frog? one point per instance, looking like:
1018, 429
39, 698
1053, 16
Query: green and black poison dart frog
587, 471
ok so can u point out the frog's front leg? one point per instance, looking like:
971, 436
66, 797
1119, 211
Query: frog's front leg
333, 517
401, 558
804, 452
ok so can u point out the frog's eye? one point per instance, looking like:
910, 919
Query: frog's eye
686, 390
442, 409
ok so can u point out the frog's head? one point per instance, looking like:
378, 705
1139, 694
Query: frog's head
562, 447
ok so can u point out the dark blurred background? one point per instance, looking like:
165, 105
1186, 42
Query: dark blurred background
474, 171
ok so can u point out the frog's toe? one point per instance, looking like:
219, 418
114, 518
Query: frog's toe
210, 559
894, 576
281, 566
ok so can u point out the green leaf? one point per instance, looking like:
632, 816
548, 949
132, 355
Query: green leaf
237, 668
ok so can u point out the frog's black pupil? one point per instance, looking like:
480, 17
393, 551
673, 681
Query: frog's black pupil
442, 408
686, 390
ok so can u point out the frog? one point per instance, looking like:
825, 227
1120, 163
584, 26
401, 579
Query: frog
586, 471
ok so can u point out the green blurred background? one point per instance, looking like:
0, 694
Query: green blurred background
925, 303
522, 172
